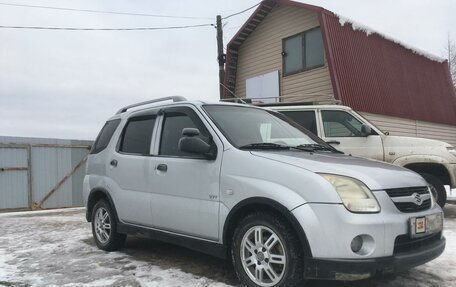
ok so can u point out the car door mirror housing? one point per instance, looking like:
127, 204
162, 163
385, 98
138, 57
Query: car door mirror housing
191, 143
190, 132
366, 130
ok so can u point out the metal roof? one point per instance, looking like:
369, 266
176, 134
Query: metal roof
369, 73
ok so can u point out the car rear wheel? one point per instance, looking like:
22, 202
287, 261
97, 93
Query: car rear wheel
104, 228
437, 188
266, 252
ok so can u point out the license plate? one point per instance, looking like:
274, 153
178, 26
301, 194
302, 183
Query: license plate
420, 225
425, 225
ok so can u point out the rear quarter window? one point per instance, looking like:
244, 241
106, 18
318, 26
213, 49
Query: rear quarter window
105, 135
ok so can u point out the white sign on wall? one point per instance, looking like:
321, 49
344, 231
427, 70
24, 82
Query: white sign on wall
263, 88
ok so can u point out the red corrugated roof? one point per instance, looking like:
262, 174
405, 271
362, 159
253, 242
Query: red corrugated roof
379, 76
369, 72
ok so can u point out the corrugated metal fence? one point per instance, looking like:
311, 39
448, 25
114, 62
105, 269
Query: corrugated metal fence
40, 173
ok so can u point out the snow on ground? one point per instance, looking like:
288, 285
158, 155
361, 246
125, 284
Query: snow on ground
55, 248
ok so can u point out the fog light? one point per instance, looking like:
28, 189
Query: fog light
356, 244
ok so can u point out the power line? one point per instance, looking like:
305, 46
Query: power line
240, 12
104, 29
106, 12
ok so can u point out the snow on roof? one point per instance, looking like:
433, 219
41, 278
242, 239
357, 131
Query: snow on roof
360, 27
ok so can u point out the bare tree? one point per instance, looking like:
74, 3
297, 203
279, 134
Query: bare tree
451, 54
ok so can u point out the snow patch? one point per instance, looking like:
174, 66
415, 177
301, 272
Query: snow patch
369, 31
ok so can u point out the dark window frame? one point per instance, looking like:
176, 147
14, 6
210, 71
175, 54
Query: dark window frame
303, 47
124, 128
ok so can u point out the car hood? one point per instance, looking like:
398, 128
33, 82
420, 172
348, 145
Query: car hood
375, 174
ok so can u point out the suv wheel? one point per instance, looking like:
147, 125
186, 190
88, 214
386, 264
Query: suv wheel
266, 252
437, 188
104, 227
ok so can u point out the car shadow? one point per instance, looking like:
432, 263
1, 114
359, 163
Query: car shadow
201, 265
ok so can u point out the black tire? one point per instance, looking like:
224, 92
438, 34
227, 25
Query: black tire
437, 188
114, 241
293, 272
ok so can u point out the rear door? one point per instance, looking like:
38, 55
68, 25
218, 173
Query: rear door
130, 171
186, 197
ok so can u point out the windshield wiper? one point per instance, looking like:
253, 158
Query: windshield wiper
316, 147
264, 146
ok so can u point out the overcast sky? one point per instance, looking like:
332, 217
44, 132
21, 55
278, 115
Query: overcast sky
65, 84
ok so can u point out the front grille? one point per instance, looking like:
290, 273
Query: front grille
404, 243
407, 191
410, 206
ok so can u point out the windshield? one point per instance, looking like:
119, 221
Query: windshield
247, 127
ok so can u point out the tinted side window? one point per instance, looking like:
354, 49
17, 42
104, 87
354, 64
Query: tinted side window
137, 136
105, 136
304, 118
173, 124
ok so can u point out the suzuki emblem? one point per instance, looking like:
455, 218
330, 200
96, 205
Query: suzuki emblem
417, 199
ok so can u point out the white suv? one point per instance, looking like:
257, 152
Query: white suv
247, 183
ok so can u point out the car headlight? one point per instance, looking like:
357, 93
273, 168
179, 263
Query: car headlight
452, 150
355, 195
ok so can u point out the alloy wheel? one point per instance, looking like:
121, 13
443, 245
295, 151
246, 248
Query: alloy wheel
102, 225
263, 256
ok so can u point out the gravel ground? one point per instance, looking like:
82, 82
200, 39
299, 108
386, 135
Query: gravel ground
55, 248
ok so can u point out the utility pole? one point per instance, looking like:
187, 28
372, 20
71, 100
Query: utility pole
220, 55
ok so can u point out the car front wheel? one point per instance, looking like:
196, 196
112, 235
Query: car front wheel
437, 189
266, 252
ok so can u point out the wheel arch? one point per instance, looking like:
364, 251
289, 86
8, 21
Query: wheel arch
262, 204
433, 168
95, 195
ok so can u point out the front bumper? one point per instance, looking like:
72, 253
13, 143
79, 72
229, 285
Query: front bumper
357, 269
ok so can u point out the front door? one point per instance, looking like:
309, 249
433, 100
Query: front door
186, 200
343, 131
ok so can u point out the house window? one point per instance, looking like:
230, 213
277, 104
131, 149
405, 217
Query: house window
303, 52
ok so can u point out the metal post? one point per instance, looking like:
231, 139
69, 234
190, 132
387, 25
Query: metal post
29, 175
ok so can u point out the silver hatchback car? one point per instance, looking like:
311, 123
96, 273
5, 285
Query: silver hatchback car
247, 183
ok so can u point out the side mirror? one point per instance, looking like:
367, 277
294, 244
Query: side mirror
366, 130
191, 143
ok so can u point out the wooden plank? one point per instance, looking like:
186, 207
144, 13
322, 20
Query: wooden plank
59, 184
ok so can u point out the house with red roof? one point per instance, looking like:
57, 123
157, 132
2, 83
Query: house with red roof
304, 53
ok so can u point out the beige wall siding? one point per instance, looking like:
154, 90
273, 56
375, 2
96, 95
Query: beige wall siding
413, 128
261, 53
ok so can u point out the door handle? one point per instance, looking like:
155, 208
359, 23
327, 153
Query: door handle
162, 167
333, 142
113, 163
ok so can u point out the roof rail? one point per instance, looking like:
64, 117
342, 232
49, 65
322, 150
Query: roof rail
285, 100
173, 98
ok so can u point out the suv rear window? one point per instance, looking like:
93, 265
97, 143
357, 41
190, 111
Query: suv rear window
137, 136
105, 136
304, 118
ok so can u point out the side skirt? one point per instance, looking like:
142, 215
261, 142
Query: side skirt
207, 247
